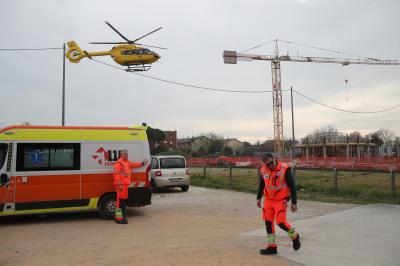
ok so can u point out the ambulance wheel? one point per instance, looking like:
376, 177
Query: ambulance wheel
107, 206
185, 188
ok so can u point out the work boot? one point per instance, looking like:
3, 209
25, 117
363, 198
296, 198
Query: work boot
122, 221
269, 251
296, 242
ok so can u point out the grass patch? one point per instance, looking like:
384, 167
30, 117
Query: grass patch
353, 187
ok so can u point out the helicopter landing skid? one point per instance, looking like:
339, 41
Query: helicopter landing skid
137, 68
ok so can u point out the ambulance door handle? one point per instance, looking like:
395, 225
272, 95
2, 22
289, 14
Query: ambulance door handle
24, 179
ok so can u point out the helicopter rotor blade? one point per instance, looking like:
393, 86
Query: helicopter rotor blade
119, 33
108, 42
158, 47
146, 35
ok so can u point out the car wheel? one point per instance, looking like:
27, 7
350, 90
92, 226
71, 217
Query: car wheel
185, 188
154, 187
107, 206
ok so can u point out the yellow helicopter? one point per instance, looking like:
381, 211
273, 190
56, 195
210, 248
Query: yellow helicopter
128, 53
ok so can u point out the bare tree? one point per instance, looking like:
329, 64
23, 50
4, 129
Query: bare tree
386, 135
324, 134
355, 136
212, 136
374, 138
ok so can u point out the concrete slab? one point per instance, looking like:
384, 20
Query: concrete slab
363, 235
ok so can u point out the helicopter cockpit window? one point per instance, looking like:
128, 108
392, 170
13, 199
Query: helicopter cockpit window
136, 51
129, 52
144, 51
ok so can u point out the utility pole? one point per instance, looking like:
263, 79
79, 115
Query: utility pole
63, 90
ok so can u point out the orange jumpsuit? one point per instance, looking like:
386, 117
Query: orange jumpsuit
276, 194
122, 179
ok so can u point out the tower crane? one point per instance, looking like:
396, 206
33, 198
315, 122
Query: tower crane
231, 57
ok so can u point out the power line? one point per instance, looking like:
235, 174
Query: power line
30, 49
323, 49
201, 87
257, 46
186, 84
241, 91
343, 110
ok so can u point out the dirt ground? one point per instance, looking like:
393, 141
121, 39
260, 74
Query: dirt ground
198, 227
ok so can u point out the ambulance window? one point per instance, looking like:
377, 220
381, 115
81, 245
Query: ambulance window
172, 162
36, 157
61, 157
154, 163
48, 156
3, 153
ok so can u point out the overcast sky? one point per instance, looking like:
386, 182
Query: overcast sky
196, 33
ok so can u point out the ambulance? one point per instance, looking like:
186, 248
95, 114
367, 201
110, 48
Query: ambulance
46, 169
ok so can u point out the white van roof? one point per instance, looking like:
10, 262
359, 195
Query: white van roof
168, 156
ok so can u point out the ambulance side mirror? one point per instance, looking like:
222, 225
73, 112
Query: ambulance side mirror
3, 178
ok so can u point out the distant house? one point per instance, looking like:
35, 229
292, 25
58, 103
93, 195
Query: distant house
184, 144
202, 142
236, 145
170, 140
194, 144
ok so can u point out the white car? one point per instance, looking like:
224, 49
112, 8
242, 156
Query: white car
169, 171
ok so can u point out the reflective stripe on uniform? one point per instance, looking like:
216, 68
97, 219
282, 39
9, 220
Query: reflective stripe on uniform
137, 184
277, 188
118, 214
291, 233
271, 238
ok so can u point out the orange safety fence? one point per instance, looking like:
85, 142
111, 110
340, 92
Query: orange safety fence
349, 163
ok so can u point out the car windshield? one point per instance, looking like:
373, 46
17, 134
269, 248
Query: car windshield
3, 153
173, 162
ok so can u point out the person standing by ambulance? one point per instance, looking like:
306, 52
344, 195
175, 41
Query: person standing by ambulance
278, 187
122, 179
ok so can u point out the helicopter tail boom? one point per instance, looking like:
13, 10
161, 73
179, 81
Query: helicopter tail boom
75, 53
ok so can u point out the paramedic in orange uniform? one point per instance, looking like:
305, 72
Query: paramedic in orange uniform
122, 179
278, 187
